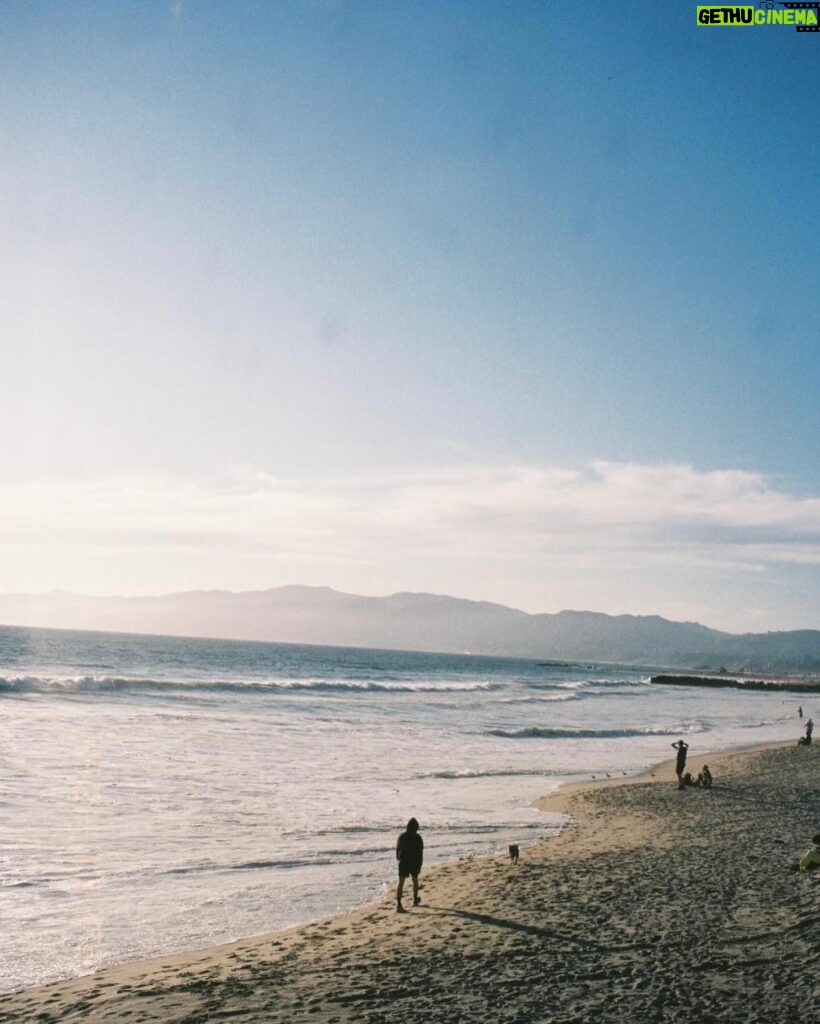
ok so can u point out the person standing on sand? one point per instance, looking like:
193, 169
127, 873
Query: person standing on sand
680, 763
809, 731
800, 711
410, 855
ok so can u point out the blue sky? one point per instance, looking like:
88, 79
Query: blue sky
513, 301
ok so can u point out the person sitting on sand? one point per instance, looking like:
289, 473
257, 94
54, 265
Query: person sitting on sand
705, 777
409, 854
680, 762
810, 861
805, 741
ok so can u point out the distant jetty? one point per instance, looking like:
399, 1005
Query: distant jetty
732, 682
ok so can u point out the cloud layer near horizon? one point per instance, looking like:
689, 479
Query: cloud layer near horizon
533, 536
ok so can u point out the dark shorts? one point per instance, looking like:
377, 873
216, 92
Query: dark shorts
408, 869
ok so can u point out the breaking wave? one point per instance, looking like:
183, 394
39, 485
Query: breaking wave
9, 686
536, 733
490, 773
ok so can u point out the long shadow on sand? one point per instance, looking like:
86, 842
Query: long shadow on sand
517, 926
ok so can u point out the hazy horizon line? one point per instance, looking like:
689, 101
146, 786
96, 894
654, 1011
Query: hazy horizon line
154, 596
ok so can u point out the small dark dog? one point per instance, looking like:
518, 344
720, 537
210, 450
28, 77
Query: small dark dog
512, 849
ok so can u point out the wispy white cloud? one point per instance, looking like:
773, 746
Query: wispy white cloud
459, 530
606, 505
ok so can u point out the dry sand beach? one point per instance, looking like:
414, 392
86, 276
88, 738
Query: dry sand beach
655, 905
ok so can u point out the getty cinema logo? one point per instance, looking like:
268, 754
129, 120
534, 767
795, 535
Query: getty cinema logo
804, 16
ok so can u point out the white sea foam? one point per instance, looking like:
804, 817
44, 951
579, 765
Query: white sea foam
534, 732
113, 685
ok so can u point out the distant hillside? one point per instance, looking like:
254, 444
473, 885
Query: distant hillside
423, 622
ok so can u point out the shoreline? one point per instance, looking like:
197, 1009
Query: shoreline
484, 917
541, 802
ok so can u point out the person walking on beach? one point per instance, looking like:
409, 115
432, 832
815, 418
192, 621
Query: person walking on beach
809, 731
410, 855
680, 762
800, 711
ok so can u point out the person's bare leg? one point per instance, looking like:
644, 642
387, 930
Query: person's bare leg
416, 899
399, 891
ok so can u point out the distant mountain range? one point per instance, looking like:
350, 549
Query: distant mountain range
421, 622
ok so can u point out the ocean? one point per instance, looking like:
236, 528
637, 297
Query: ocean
163, 793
